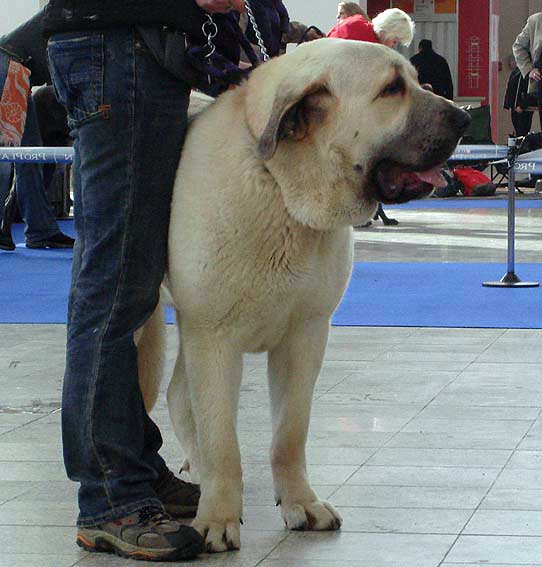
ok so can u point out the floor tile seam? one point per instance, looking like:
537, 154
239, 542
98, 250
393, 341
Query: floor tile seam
53, 554
18, 495
466, 467
424, 486
475, 420
33, 461
18, 427
333, 387
483, 498
489, 420
80, 560
421, 410
386, 444
399, 533
410, 508
510, 536
476, 359
275, 547
485, 509
27, 525
478, 507
357, 468
504, 363
451, 447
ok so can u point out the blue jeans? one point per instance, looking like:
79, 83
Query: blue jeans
40, 223
128, 120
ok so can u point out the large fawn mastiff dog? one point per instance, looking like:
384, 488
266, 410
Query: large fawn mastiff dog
272, 177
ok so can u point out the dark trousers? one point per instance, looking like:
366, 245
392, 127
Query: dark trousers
522, 122
128, 120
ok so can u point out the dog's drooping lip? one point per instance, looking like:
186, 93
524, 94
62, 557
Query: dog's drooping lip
397, 183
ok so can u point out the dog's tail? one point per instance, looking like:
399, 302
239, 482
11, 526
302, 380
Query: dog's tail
151, 354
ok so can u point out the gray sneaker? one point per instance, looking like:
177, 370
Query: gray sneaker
148, 534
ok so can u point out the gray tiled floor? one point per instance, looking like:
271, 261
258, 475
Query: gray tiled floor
429, 441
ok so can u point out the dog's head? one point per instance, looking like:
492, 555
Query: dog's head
342, 125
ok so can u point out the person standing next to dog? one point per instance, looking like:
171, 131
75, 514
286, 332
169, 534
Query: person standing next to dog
23, 57
391, 28
128, 116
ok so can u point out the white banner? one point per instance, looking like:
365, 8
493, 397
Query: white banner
424, 8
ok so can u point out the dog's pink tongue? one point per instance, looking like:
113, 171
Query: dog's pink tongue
433, 177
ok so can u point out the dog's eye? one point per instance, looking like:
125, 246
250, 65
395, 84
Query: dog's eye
396, 87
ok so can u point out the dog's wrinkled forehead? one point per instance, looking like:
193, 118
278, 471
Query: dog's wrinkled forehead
355, 65
333, 78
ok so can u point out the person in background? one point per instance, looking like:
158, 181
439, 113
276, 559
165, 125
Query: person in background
26, 47
527, 49
391, 28
128, 117
347, 9
433, 69
312, 33
300, 33
514, 100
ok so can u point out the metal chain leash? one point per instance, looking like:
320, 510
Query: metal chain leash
261, 44
210, 31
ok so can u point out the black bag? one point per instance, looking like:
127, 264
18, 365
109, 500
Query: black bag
453, 187
484, 190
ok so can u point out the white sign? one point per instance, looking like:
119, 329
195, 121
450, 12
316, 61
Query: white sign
424, 8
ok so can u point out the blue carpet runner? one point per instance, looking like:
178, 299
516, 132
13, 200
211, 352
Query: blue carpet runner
35, 286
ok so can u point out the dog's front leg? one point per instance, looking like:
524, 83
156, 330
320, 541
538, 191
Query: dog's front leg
214, 372
293, 369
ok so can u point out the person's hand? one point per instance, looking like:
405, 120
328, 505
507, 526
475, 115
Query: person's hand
535, 75
221, 6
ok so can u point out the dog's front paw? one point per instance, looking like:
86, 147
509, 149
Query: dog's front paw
224, 535
317, 515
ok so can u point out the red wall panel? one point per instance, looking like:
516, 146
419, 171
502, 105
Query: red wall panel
473, 46
374, 7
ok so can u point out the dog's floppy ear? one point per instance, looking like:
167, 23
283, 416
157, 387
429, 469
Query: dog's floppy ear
293, 111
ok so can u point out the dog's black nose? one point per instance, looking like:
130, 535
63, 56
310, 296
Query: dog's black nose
460, 119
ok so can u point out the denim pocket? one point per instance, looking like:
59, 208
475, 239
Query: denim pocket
77, 68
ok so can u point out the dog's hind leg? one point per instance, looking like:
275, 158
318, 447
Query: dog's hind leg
293, 369
180, 413
214, 369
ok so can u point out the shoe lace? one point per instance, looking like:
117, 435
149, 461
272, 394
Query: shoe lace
153, 515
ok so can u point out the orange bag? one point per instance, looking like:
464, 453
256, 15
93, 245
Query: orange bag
14, 104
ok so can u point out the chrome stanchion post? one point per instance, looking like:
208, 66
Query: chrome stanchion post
510, 279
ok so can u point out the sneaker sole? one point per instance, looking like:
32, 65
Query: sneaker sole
105, 544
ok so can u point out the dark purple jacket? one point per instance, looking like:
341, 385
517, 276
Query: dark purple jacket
273, 20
